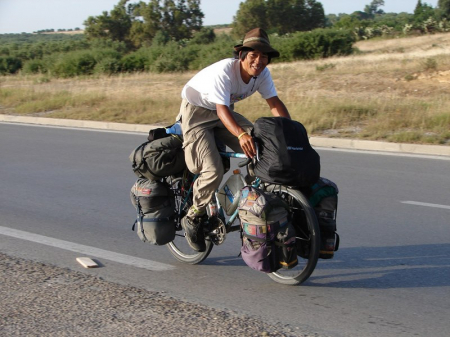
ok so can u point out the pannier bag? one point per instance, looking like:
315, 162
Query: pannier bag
268, 238
161, 156
154, 202
286, 156
324, 200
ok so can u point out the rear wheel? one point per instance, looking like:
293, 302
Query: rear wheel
179, 247
307, 231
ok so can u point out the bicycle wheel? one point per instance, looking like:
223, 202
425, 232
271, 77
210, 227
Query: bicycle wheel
179, 247
307, 231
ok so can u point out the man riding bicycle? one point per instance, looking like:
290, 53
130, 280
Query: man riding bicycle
207, 112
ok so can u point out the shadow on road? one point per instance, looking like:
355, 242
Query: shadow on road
376, 267
386, 267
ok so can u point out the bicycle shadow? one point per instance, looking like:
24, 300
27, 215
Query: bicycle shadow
409, 266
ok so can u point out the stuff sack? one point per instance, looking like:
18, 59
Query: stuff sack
285, 154
154, 202
268, 238
324, 200
159, 157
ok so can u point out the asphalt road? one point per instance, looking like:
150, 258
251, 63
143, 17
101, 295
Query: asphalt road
65, 194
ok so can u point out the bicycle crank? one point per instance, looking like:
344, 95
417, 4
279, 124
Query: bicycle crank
217, 231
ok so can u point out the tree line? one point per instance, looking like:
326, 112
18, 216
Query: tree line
168, 35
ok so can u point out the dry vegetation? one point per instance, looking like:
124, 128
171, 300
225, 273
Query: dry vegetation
395, 90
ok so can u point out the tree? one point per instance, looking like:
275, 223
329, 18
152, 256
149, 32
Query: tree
146, 23
251, 14
138, 23
422, 13
115, 26
280, 16
373, 7
444, 7
181, 19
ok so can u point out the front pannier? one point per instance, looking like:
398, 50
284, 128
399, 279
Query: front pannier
268, 238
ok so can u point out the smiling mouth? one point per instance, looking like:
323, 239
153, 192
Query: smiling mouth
257, 68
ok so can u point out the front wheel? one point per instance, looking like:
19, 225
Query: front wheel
304, 220
179, 247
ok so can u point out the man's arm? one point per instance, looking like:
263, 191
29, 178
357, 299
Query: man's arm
245, 140
277, 107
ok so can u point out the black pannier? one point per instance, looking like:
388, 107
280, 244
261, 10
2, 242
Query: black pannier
285, 154
155, 206
324, 200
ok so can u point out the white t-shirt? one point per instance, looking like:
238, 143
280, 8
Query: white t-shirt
221, 83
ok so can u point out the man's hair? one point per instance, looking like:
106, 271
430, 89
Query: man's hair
244, 51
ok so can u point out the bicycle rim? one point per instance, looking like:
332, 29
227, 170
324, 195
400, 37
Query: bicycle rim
307, 233
179, 247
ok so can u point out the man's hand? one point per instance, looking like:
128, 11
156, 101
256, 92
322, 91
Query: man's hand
248, 145
245, 140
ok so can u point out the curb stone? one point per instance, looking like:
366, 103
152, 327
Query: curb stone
316, 141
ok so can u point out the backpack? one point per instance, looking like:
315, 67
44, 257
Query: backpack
155, 206
324, 200
286, 156
161, 156
268, 238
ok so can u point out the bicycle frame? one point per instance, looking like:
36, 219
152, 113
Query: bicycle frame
228, 225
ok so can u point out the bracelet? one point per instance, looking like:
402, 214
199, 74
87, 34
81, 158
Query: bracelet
239, 137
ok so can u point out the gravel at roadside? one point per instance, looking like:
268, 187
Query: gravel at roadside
43, 300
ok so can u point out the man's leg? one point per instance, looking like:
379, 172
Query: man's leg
202, 158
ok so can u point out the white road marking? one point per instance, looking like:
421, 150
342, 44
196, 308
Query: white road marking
431, 205
87, 250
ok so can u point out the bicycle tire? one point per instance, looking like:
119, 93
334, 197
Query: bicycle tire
179, 248
300, 206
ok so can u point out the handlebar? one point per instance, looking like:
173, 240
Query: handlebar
240, 155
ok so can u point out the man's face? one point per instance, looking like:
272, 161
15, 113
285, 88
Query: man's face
255, 62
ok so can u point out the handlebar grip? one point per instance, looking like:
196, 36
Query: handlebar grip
244, 163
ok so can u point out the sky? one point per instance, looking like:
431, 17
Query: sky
17, 16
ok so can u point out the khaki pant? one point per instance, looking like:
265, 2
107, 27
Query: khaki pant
200, 126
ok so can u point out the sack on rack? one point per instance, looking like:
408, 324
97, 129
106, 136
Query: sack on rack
324, 200
286, 156
154, 202
268, 238
159, 157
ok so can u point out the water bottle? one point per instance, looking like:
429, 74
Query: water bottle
212, 207
175, 129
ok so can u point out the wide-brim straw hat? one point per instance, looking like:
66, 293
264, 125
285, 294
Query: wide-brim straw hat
257, 39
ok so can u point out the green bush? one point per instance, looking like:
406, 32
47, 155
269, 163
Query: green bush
74, 57
74, 64
134, 62
107, 65
34, 67
9, 65
319, 43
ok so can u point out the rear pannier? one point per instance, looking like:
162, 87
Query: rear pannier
154, 202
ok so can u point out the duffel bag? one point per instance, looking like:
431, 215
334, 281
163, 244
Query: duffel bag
159, 157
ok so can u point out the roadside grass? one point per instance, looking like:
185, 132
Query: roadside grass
392, 90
